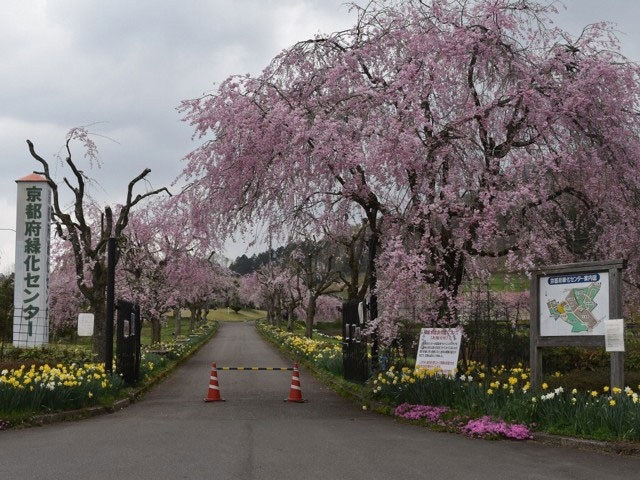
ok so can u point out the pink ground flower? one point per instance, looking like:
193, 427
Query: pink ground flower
487, 427
479, 428
417, 412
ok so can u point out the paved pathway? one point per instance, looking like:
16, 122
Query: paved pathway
173, 434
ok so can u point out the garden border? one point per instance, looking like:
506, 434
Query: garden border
346, 390
132, 397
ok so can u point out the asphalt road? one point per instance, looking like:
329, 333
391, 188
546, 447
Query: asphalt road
173, 434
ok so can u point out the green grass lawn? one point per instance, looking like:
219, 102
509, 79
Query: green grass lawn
325, 328
219, 314
166, 334
224, 315
330, 328
228, 315
500, 282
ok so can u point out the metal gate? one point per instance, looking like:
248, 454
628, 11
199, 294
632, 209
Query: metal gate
354, 345
128, 328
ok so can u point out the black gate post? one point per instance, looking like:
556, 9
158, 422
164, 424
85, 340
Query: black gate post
354, 345
128, 330
111, 281
137, 332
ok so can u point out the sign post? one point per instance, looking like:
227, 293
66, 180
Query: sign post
31, 293
570, 307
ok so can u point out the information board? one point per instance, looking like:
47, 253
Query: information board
439, 348
574, 304
571, 306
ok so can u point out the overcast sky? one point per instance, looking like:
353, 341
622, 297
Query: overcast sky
128, 64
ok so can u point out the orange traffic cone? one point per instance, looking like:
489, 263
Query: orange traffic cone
295, 393
213, 395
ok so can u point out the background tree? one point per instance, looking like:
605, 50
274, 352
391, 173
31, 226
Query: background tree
6, 307
65, 299
233, 301
315, 263
146, 256
272, 279
248, 291
352, 267
293, 297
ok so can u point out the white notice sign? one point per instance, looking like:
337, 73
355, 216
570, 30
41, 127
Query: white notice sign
439, 348
85, 324
614, 335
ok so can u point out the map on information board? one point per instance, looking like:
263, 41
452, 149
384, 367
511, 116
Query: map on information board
574, 304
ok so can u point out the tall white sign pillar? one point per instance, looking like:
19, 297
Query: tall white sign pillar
31, 297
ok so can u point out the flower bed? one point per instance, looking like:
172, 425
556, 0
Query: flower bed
325, 353
482, 402
52, 388
505, 396
41, 388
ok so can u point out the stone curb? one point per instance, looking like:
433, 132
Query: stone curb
132, 397
68, 415
617, 448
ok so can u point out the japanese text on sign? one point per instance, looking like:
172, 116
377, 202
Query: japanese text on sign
439, 349
574, 278
32, 231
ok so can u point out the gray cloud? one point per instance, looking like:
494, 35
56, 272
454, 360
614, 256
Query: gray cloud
128, 64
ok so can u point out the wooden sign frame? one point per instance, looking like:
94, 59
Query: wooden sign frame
538, 342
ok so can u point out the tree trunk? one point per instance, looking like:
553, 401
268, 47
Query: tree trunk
373, 300
449, 283
177, 320
290, 310
270, 313
311, 313
192, 319
354, 271
278, 311
156, 328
